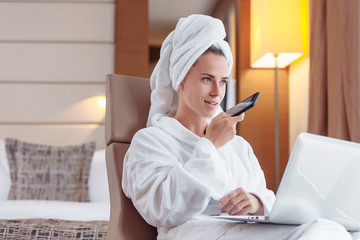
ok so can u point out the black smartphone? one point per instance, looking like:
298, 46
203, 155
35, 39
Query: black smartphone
243, 105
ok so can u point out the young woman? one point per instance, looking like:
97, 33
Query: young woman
189, 164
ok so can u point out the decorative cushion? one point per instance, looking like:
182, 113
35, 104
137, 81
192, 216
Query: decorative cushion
41, 172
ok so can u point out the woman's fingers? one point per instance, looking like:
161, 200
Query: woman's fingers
237, 206
231, 199
221, 129
220, 116
239, 118
239, 202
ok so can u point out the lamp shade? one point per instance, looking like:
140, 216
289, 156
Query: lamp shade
275, 31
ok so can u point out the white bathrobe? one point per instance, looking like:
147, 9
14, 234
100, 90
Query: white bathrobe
176, 178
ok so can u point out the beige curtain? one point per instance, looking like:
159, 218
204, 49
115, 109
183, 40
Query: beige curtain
335, 69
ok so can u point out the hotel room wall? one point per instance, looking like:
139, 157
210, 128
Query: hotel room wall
54, 59
298, 99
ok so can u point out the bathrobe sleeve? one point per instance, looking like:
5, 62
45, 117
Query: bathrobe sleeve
164, 189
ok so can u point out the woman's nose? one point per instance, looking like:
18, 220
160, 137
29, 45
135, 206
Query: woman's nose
215, 90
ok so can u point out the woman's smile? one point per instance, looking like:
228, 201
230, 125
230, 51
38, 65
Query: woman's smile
212, 104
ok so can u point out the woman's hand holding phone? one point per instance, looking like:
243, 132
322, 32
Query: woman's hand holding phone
222, 128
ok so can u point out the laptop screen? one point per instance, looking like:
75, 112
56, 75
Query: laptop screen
321, 180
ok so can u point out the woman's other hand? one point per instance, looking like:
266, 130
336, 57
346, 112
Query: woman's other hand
222, 128
240, 202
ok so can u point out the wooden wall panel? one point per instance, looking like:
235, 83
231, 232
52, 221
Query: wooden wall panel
51, 103
57, 21
132, 38
76, 62
258, 127
54, 59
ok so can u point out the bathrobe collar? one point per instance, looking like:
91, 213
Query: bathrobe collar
175, 129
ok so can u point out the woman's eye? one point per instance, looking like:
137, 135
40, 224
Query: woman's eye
223, 82
207, 79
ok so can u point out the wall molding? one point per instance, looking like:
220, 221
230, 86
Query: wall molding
53, 82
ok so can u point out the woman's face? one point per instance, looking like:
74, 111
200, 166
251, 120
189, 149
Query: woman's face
204, 86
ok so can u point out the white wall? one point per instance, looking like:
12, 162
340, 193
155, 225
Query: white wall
53, 62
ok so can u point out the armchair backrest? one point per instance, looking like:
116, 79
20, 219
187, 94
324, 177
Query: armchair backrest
127, 107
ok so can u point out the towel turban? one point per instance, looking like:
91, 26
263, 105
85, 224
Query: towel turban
181, 48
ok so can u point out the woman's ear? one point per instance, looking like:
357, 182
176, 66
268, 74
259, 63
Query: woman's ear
181, 86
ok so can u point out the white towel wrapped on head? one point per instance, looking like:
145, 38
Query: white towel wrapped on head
182, 47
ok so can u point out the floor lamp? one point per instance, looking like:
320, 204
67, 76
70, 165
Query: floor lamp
276, 41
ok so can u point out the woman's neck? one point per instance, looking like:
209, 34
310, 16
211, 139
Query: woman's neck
195, 124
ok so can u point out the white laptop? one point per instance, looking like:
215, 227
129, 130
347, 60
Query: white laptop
321, 180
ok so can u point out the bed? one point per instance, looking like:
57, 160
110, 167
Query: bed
50, 192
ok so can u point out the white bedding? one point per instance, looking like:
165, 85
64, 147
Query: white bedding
73, 211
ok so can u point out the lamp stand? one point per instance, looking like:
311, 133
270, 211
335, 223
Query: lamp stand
277, 145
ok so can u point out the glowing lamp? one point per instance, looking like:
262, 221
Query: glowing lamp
276, 41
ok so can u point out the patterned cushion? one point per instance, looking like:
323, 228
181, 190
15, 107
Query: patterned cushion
41, 172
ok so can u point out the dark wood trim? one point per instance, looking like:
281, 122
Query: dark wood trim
132, 38
222, 8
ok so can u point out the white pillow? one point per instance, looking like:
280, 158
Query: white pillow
5, 181
98, 181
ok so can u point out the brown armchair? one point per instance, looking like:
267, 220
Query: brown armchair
127, 107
